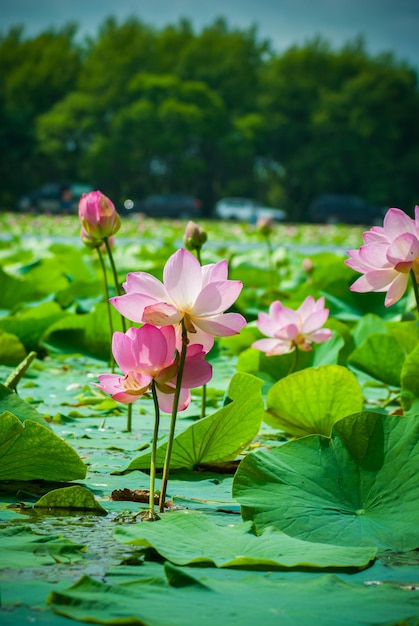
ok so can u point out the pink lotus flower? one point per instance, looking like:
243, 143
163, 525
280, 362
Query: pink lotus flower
198, 295
289, 329
98, 216
389, 253
149, 353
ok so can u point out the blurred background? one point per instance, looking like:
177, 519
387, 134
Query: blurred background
173, 109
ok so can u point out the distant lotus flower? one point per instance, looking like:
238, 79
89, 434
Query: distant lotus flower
389, 253
288, 329
197, 295
146, 354
98, 216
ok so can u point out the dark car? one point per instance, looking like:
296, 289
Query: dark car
344, 209
177, 205
58, 198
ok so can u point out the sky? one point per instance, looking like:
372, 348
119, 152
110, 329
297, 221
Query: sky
386, 25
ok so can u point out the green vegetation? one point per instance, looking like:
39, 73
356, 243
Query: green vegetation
294, 500
216, 113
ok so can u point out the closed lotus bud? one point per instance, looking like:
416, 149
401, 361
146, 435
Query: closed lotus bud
98, 216
265, 226
194, 237
88, 240
308, 265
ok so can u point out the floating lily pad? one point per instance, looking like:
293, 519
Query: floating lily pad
358, 488
75, 498
21, 547
194, 597
185, 538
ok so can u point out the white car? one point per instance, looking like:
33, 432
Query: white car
246, 210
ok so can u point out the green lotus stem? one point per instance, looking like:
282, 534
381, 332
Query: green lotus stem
115, 276
415, 288
124, 327
18, 373
178, 388
108, 304
294, 363
203, 400
151, 514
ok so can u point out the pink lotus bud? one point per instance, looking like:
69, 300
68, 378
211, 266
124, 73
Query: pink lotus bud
194, 237
265, 226
98, 216
308, 265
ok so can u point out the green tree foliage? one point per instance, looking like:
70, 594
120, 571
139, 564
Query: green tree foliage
138, 110
34, 75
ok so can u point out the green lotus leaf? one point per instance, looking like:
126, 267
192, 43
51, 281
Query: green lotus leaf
410, 382
356, 488
312, 400
194, 596
11, 402
76, 498
381, 357
30, 451
12, 350
219, 437
88, 333
183, 538
21, 547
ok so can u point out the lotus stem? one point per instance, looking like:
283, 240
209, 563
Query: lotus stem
178, 388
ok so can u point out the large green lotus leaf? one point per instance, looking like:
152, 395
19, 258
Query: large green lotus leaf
196, 597
12, 350
46, 274
88, 333
220, 437
358, 488
75, 498
352, 306
21, 547
31, 451
410, 382
183, 538
406, 333
10, 401
369, 324
254, 361
381, 357
14, 291
31, 323
312, 400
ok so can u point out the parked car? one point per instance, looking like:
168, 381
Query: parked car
344, 209
59, 197
246, 210
177, 205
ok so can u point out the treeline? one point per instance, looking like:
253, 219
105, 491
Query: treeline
138, 110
